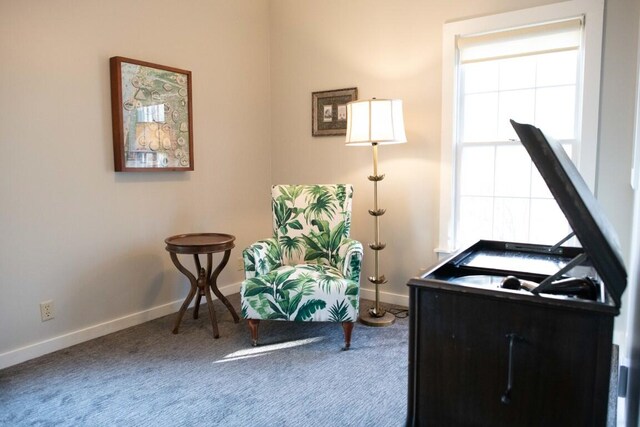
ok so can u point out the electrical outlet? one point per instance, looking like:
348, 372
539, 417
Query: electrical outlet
46, 310
240, 264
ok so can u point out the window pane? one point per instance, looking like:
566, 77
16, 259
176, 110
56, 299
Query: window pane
555, 111
518, 73
513, 167
559, 68
475, 219
476, 171
548, 224
511, 219
499, 192
517, 105
480, 117
480, 77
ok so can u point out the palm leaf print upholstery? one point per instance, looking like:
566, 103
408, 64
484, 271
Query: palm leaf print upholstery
309, 270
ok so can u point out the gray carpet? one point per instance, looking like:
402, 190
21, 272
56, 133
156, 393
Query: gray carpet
145, 375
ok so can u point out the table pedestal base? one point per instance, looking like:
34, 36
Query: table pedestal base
206, 280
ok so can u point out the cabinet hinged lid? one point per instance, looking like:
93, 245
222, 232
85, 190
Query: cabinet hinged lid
584, 214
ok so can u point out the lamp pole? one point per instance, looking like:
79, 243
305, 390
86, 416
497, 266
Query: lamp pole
379, 317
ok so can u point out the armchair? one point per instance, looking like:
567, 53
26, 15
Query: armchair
310, 269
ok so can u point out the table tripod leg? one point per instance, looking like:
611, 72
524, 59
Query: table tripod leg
212, 313
196, 308
185, 304
213, 283
226, 302
201, 286
192, 291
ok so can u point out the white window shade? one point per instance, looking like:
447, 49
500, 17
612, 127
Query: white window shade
460, 86
530, 40
377, 121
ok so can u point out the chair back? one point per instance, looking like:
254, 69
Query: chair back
310, 221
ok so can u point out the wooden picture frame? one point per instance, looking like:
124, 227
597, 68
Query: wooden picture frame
329, 111
151, 108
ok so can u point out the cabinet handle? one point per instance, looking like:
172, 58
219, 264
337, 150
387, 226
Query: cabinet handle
506, 396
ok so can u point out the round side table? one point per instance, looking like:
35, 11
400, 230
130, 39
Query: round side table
206, 244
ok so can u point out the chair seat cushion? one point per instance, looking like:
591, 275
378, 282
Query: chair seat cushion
304, 292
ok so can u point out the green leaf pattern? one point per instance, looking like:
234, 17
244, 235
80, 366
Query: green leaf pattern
301, 293
310, 269
261, 257
350, 255
310, 221
339, 312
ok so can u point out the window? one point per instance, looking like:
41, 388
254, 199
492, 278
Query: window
531, 66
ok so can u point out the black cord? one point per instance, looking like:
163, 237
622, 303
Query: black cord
400, 313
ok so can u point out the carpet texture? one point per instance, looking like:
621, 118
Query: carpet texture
145, 375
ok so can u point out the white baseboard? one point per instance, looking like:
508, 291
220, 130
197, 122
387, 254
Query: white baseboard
22, 354
31, 351
387, 297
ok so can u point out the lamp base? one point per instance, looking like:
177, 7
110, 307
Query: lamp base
371, 319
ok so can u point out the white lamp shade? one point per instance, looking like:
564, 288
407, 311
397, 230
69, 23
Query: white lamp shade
377, 121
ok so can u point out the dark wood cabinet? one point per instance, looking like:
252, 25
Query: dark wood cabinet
459, 360
533, 349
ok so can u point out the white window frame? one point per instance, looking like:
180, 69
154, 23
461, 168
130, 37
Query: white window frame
586, 156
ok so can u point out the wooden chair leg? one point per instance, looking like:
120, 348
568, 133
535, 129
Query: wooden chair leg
348, 327
253, 327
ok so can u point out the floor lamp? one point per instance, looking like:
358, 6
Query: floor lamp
376, 122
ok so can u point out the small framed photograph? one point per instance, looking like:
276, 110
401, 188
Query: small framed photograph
329, 111
152, 116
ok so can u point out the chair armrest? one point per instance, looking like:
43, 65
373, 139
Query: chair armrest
349, 260
261, 257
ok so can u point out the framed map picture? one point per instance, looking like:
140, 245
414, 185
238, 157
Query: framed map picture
152, 116
329, 111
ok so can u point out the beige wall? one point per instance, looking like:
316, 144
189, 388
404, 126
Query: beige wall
617, 114
393, 49
72, 229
